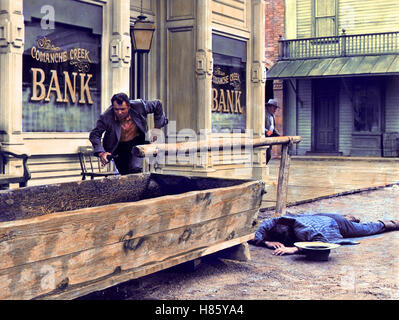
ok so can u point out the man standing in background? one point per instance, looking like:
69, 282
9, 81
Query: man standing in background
270, 125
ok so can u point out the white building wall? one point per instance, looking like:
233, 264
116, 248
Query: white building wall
345, 121
392, 105
305, 115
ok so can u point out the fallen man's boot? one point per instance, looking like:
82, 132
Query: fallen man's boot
391, 225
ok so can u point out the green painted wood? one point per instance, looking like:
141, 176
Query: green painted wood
321, 67
383, 63
306, 67
335, 66
351, 66
290, 69
394, 67
366, 65
277, 69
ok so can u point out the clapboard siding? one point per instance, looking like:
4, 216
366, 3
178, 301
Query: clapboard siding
356, 17
54, 169
392, 105
368, 16
305, 116
345, 123
230, 13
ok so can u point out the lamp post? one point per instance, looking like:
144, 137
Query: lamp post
141, 36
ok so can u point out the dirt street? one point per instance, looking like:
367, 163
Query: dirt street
369, 270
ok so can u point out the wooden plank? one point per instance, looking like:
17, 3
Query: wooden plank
149, 150
35, 279
54, 167
61, 159
73, 292
57, 234
50, 180
229, 13
55, 173
282, 186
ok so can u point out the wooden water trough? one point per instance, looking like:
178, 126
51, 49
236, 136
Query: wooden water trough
62, 241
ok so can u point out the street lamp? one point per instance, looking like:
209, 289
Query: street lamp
142, 33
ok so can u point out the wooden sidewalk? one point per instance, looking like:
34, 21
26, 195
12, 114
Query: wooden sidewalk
313, 178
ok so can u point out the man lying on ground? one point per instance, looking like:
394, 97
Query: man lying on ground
281, 233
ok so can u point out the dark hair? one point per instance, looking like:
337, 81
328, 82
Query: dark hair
119, 98
283, 234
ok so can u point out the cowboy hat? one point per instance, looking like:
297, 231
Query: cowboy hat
272, 102
316, 250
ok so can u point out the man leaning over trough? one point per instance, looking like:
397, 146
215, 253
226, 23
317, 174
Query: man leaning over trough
124, 125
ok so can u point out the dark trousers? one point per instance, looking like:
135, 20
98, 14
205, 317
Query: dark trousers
350, 229
268, 154
125, 160
269, 150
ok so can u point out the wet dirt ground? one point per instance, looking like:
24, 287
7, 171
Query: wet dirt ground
369, 270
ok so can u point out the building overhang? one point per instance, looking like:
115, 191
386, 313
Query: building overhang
384, 64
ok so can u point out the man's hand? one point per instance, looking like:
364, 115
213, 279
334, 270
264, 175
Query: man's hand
103, 158
274, 245
285, 250
269, 133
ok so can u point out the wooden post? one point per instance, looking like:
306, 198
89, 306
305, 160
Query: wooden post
282, 186
239, 252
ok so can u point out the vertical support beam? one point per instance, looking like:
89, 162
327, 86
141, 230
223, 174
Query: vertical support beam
120, 46
256, 111
258, 68
12, 37
282, 186
204, 70
204, 65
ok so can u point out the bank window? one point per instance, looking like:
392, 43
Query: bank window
325, 18
367, 107
61, 66
228, 85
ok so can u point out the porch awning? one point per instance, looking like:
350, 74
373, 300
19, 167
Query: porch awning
335, 67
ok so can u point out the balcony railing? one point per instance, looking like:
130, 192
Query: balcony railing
339, 46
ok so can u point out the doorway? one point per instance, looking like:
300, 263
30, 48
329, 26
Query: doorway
325, 116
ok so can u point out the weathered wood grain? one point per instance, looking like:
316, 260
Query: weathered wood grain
45, 199
48, 236
27, 281
70, 237
74, 291
34, 201
153, 149
283, 175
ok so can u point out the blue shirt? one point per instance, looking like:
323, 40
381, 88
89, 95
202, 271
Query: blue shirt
306, 227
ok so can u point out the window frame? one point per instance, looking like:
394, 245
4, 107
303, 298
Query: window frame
378, 85
30, 17
236, 49
314, 18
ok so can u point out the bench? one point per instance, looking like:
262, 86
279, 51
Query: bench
7, 179
91, 165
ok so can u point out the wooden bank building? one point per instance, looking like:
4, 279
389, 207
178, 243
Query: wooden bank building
62, 60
